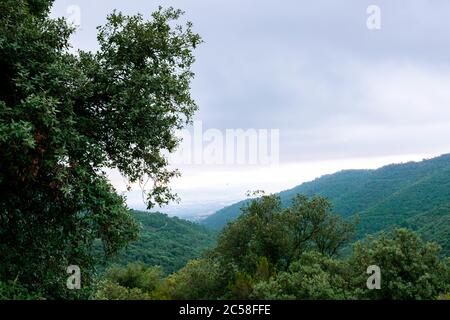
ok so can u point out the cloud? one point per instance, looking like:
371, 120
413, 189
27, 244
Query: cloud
335, 89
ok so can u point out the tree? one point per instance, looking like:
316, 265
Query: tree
66, 117
267, 230
312, 277
410, 268
136, 281
202, 279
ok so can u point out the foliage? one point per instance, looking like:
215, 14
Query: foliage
314, 276
444, 297
271, 252
108, 290
199, 279
414, 195
410, 268
66, 117
282, 235
202, 279
12, 290
166, 242
133, 282
266, 247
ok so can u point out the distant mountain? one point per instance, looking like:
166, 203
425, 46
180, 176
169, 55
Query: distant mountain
167, 242
414, 195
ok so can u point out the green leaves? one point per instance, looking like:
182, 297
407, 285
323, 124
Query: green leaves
282, 235
275, 253
65, 117
312, 277
410, 268
138, 94
133, 282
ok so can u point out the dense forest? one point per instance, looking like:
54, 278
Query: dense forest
271, 252
166, 242
415, 195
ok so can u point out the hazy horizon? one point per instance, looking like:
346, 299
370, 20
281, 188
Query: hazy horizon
197, 203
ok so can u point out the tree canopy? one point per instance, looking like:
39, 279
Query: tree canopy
275, 253
281, 235
65, 117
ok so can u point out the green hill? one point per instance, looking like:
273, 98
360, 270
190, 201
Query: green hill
167, 242
413, 194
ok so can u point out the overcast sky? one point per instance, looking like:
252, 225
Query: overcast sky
341, 95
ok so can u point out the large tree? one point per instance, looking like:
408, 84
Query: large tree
282, 235
411, 269
66, 117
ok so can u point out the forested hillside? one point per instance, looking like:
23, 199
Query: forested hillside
413, 194
166, 242
271, 252
70, 120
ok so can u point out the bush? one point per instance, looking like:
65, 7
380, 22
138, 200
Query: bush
410, 268
313, 276
202, 279
136, 281
12, 290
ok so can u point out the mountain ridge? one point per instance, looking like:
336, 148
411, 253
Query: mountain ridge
392, 195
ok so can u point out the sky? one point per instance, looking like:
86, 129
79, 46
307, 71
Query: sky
339, 93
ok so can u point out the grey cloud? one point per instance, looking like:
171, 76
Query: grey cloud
313, 70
